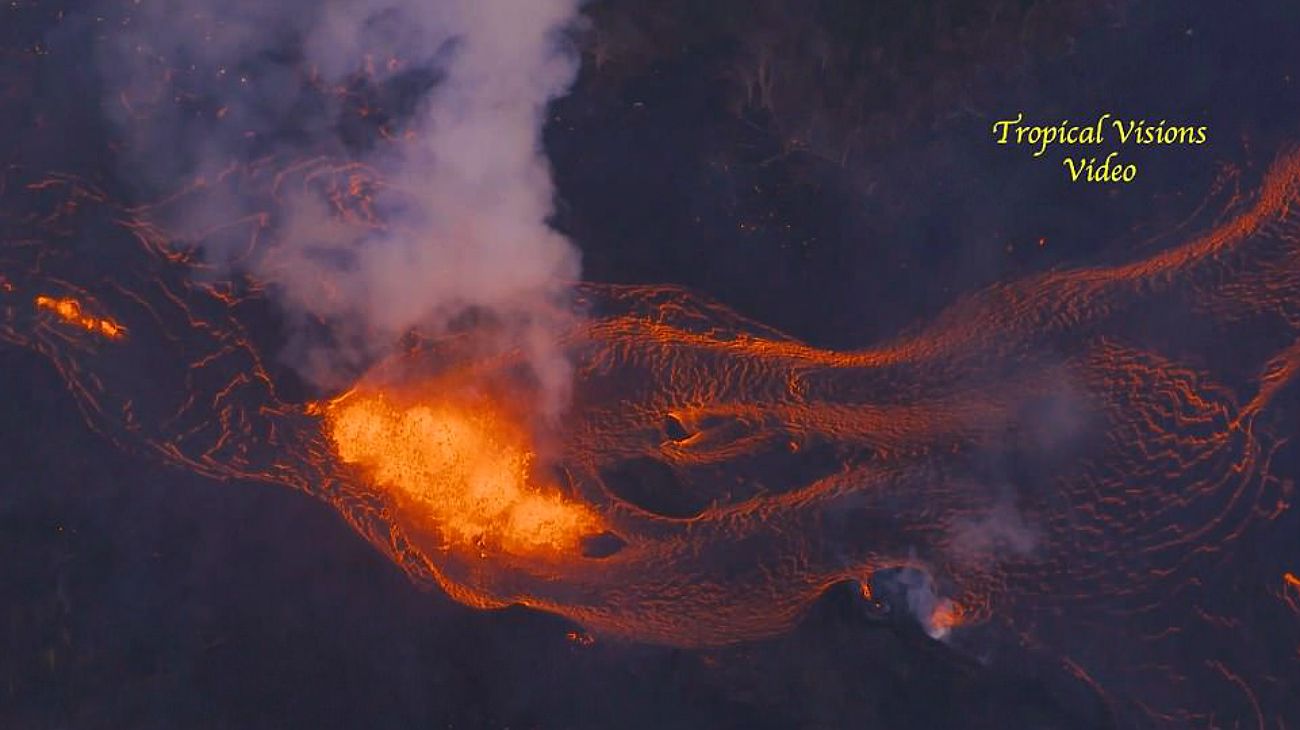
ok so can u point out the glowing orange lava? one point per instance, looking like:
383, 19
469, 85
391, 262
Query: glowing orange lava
946, 616
71, 312
467, 473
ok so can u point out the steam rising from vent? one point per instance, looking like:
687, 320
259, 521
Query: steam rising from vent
912, 590
444, 101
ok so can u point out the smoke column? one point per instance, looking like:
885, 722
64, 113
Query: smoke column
439, 108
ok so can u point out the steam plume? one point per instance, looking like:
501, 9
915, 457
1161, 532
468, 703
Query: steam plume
197, 84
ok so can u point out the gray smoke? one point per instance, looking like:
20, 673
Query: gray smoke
999, 532
912, 589
197, 85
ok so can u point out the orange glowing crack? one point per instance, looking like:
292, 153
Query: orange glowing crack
70, 311
466, 471
1291, 594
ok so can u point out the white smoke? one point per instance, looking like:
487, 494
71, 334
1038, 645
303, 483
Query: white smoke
467, 191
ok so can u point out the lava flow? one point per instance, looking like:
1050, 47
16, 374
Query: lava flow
1051, 454
70, 311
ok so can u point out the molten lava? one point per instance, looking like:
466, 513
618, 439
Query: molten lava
945, 617
70, 311
466, 473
